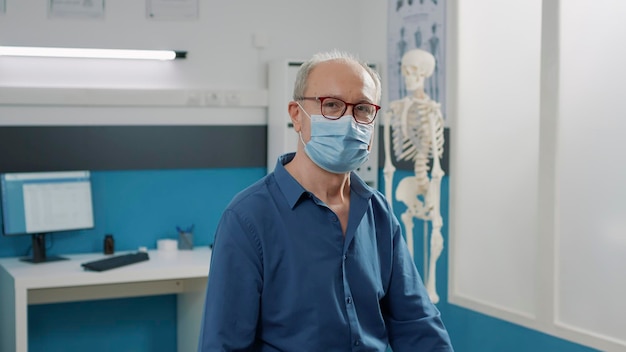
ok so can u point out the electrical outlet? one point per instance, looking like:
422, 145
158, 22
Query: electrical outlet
194, 98
232, 99
213, 99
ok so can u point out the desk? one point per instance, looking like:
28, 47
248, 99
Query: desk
179, 272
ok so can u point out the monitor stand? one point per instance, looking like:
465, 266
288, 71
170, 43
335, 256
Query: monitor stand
39, 251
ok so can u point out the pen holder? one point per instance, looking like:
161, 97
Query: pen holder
185, 240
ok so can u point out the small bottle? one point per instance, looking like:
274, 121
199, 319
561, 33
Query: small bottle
109, 244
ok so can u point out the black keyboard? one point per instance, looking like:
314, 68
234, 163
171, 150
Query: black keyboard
116, 261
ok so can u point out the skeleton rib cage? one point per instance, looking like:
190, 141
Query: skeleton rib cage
412, 137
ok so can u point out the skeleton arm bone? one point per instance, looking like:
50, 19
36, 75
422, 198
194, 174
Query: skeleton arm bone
436, 247
436, 238
433, 204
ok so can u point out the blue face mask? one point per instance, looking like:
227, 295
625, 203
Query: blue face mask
337, 146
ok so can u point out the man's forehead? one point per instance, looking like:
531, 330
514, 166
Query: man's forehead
339, 75
338, 70
335, 64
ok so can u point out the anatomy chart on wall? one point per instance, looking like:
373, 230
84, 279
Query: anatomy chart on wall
416, 24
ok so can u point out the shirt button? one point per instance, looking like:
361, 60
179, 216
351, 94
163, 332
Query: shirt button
357, 342
345, 257
349, 300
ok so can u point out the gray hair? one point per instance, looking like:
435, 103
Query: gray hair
305, 69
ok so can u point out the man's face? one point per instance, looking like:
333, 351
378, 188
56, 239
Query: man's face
344, 80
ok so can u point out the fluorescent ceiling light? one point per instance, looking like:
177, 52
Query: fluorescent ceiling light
92, 53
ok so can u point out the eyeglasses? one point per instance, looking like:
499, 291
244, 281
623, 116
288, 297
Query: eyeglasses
334, 108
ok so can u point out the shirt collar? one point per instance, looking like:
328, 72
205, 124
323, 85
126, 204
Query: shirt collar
359, 186
293, 191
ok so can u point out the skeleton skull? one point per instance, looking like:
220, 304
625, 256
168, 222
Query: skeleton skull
417, 65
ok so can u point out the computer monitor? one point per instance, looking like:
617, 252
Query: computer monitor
37, 203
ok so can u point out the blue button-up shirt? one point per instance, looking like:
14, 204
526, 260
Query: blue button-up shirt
284, 278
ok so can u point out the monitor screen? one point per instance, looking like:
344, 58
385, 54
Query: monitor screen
37, 203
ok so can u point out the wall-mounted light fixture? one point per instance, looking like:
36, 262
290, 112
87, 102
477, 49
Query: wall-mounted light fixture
92, 53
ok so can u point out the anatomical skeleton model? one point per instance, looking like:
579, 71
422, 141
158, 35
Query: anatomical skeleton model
416, 127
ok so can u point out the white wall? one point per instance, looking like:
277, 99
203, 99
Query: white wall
537, 195
495, 153
590, 192
221, 53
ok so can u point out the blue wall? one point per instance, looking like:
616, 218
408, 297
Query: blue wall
139, 207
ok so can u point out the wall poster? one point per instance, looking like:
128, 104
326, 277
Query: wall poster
416, 24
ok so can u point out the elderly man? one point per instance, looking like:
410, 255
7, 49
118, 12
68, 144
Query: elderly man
310, 258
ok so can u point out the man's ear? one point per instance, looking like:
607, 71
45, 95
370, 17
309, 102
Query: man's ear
294, 114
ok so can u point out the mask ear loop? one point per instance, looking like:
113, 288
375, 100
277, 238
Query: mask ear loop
307, 115
304, 111
301, 140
